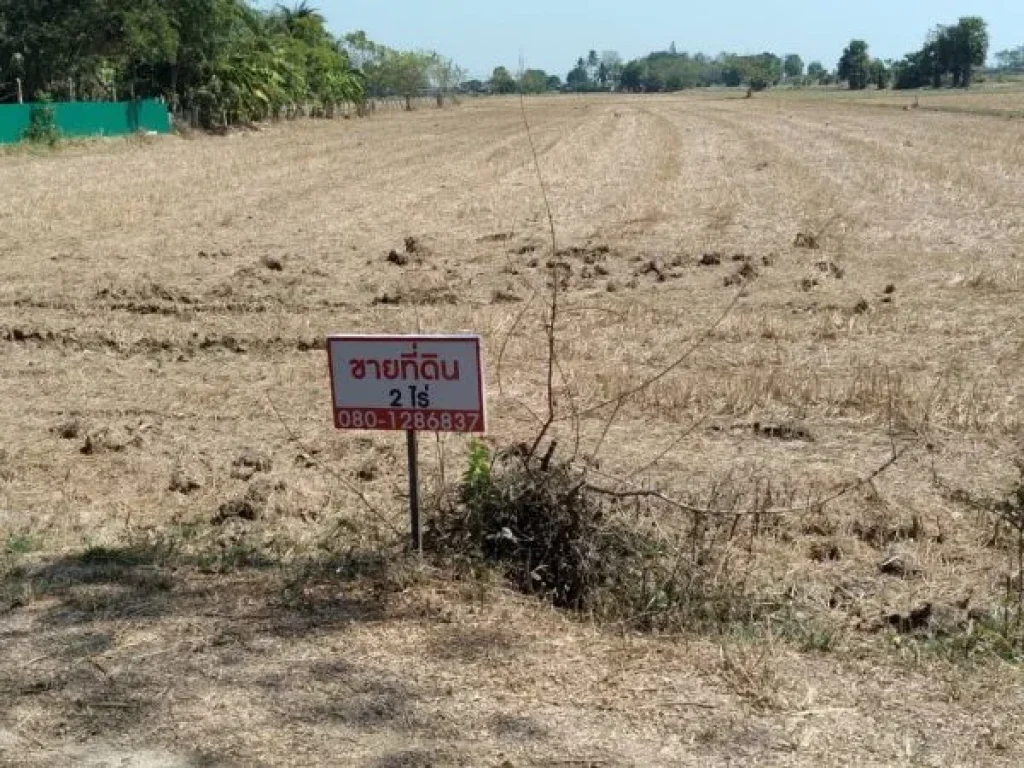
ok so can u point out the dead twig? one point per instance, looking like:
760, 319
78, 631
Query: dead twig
294, 438
636, 492
697, 344
672, 446
551, 327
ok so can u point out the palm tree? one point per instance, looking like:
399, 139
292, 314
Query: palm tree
291, 18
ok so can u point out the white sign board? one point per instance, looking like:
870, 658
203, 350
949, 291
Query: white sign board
411, 383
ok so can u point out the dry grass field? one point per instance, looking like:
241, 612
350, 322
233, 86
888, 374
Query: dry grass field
163, 306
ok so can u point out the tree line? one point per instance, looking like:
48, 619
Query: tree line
951, 55
223, 61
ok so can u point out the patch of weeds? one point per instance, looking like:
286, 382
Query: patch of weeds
241, 554
809, 635
42, 128
551, 534
1007, 514
107, 557
752, 675
973, 641
19, 544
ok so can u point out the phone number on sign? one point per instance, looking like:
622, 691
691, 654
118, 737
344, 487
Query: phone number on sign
419, 421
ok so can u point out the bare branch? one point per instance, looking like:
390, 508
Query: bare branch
552, 321
645, 493
294, 438
672, 366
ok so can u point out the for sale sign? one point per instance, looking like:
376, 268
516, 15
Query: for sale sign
411, 383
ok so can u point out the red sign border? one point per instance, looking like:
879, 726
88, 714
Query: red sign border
411, 339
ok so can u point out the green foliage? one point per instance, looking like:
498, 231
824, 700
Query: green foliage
548, 532
880, 74
534, 81
578, 78
952, 52
816, 72
222, 58
855, 65
793, 66
1010, 60
674, 71
477, 478
502, 81
19, 544
42, 128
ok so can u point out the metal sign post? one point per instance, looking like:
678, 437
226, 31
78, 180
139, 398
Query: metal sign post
414, 491
410, 384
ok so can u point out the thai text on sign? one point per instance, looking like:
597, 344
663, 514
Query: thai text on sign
411, 383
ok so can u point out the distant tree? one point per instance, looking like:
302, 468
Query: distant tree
502, 81
732, 75
632, 76
793, 67
446, 75
970, 48
474, 86
816, 72
953, 51
579, 79
534, 81
407, 73
880, 74
1011, 60
855, 65
769, 65
611, 63
554, 83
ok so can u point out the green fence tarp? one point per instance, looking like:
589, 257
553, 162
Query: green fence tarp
76, 119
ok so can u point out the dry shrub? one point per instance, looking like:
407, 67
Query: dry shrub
551, 534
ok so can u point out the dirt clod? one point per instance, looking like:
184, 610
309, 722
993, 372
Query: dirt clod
899, 564
919, 618
784, 432
654, 267
711, 259
831, 269
68, 430
249, 463
805, 240
244, 508
505, 296
109, 439
185, 480
398, 259
273, 263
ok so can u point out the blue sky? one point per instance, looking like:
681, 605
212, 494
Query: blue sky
479, 34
